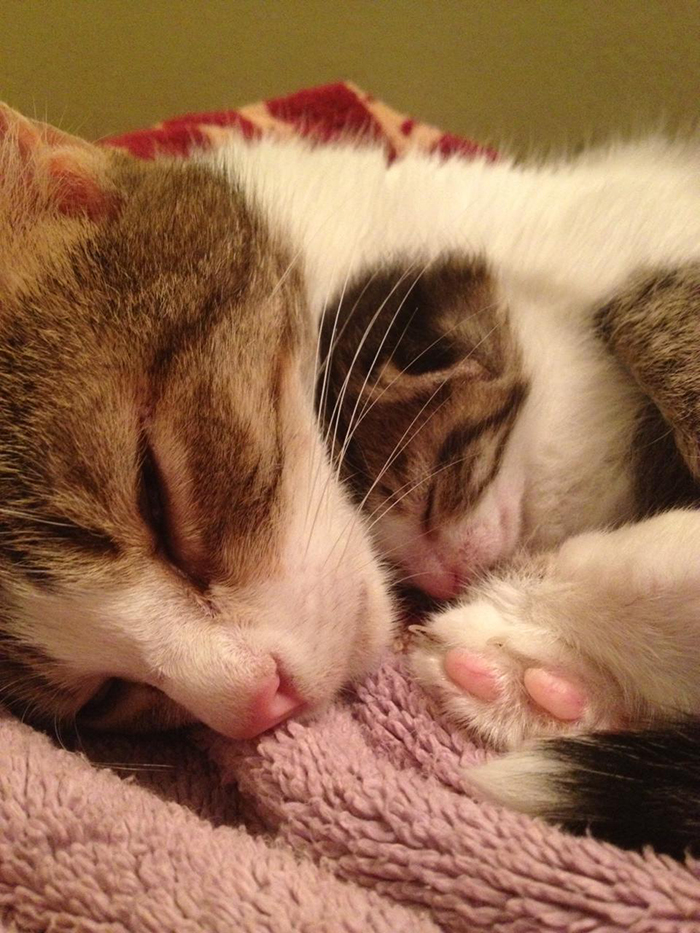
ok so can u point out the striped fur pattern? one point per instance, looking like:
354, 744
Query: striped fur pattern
653, 328
169, 526
424, 385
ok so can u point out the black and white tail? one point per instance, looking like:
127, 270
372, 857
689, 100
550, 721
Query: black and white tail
630, 788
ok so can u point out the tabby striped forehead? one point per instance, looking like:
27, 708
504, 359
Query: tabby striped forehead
144, 388
422, 386
165, 334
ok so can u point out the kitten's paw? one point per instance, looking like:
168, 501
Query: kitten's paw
494, 666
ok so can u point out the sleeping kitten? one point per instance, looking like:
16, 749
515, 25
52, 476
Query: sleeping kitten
482, 429
173, 543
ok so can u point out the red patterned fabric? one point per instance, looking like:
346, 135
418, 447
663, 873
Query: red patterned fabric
324, 114
327, 113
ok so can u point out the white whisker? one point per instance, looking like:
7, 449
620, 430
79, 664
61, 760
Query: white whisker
370, 368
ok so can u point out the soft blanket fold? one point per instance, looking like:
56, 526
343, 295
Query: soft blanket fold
82, 850
361, 821
376, 791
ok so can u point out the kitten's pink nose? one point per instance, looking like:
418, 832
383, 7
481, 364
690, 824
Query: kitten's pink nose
274, 701
441, 582
435, 569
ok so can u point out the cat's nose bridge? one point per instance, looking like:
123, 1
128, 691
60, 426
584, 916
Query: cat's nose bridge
227, 680
273, 701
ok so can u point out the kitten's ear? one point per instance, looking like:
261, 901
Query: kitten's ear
393, 383
43, 169
435, 325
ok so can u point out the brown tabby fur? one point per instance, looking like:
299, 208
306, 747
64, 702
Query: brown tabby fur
654, 330
101, 327
425, 383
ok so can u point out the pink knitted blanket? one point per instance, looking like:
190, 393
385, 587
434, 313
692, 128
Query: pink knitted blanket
360, 821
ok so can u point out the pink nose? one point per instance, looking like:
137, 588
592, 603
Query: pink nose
440, 581
273, 702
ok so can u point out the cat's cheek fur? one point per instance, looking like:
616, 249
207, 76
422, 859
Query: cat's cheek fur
323, 618
329, 613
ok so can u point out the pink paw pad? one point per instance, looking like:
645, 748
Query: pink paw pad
561, 698
473, 674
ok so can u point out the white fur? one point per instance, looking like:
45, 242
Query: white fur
525, 780
561, 239
562, 234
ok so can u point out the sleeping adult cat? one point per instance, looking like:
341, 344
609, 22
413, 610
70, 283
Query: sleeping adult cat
169, 524
170, 544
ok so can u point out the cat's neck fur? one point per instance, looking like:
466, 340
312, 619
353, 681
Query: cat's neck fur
346, 210
560, 238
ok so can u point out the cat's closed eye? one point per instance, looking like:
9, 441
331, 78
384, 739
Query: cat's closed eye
156, 509
102, 701
152, 499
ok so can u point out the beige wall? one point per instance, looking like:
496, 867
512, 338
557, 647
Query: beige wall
521, 71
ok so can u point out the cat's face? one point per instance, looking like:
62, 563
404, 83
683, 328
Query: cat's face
424, 385
173, 544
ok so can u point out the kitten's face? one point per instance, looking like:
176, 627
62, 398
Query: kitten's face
172, 544
424, 387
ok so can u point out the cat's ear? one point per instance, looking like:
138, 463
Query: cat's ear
446, 326
43, 169
392, 383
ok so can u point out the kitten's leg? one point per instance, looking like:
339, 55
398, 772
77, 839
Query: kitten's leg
602, 633
653, 328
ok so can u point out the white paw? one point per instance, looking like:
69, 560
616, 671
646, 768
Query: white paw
495, 665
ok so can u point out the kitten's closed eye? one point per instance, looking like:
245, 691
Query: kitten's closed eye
103, 701
119, 703
152, 498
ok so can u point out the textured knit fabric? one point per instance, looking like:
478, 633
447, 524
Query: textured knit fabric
83, 850
376, 791
360, 821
